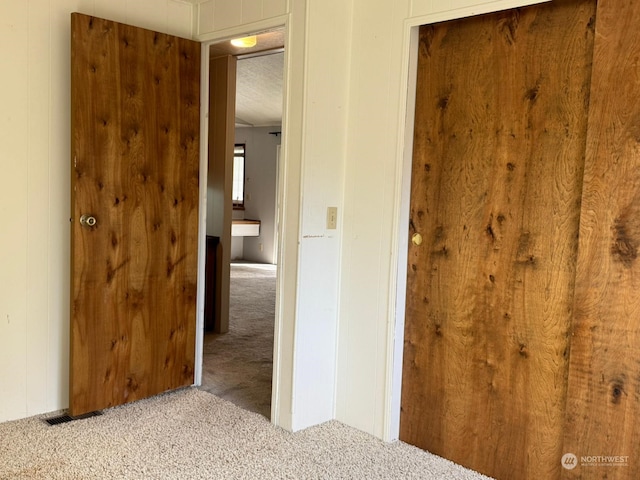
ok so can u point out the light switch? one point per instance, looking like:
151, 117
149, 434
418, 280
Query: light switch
332, 218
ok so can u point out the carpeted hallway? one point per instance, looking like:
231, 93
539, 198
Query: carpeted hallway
238, 365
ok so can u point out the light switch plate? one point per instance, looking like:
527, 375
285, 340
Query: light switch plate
332, 218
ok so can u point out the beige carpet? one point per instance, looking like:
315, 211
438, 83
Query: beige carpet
191, 434
238, 365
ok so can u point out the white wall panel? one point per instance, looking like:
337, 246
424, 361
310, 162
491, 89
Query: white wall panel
219, 15
168, 16
151, 14
323, 184
226, 14
38, 229
251, 11
14, 127
59, 193
422, 7
205, 16
180, 19
274, 8
316, 326
115, 10
369, 208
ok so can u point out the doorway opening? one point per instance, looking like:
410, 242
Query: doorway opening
238, 345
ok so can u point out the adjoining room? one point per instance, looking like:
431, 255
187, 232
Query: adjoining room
239, 332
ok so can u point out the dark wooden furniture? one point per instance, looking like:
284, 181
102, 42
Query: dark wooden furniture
210, 283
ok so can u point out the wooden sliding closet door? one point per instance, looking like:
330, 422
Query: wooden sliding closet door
603, 411
499, 147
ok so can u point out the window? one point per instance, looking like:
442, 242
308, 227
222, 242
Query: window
238, 176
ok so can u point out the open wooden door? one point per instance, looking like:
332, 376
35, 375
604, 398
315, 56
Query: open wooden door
499, 147
135, 171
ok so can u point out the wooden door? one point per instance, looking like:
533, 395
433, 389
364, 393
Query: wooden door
498, 161
603, 404
135, 169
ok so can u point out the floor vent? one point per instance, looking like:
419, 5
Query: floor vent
68, 418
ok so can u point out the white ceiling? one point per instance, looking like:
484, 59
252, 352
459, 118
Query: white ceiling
259, 90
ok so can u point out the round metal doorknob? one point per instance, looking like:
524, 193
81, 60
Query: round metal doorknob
88, 220
416, 239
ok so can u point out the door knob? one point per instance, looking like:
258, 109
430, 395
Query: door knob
88, 221
416, 239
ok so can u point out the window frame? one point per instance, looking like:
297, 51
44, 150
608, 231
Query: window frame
238, 204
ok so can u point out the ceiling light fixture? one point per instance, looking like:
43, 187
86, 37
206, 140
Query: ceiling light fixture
245, 42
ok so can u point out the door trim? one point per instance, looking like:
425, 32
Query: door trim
278, 364
202, 221
400, 235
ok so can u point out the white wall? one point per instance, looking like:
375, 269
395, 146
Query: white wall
219, 15
34, 188
260, 189
371, 175
328, 33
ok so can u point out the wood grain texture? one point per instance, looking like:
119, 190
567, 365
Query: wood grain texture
222, 114
496, 185
604, 377
135, 167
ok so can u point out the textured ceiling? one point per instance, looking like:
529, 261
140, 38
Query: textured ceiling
259, 79
259, 90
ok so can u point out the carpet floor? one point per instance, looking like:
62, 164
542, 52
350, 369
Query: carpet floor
238, 365
191, 434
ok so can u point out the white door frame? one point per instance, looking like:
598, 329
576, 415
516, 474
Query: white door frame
276, 22
276, 230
